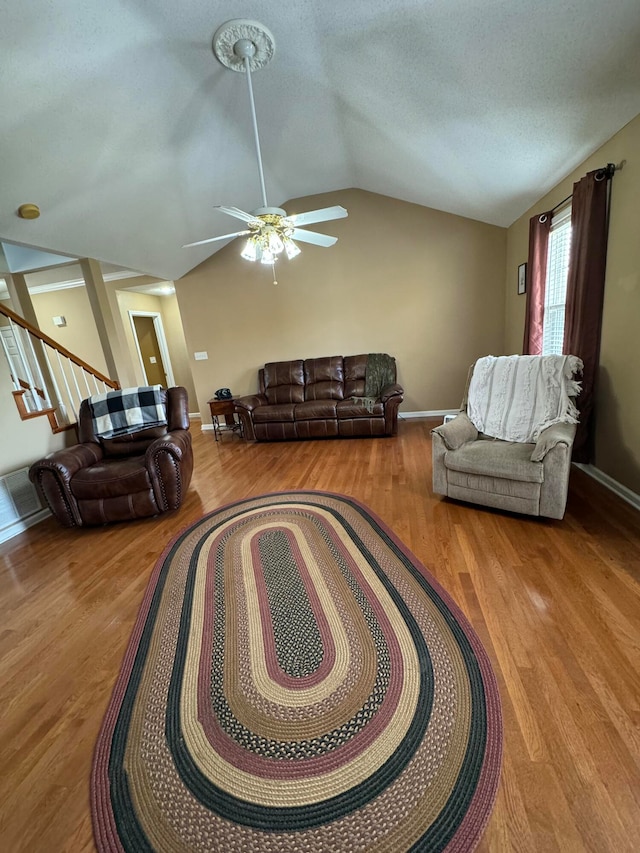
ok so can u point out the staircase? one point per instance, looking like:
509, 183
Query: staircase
48, 380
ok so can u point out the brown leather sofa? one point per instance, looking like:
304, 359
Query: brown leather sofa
312, 398
118, 479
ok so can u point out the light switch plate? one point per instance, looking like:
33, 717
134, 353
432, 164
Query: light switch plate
201, 356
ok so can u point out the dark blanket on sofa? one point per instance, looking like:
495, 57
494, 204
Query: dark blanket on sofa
379, 374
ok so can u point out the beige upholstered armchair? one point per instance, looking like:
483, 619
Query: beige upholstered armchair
510, 446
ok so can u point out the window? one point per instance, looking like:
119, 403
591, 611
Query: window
555, 296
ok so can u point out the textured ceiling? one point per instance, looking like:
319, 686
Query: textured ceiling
119, 122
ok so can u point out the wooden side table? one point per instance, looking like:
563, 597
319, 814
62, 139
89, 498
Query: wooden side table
224, 409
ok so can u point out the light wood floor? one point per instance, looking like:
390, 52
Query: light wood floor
557, 605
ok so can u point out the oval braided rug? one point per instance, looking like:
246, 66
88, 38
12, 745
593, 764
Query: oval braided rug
297, 681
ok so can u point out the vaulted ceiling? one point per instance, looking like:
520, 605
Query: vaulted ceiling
118, 121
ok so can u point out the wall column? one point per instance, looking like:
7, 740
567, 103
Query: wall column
20, 297
109, 327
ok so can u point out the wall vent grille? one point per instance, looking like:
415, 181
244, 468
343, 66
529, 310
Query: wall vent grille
18, 498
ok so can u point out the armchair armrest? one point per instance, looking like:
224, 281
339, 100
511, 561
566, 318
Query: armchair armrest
65, 463
176, 443
250, 402
169, 461
457, 432
549, 437
394, 390
52, 477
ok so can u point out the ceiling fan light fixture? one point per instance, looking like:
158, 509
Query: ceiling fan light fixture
274, 242
290, 248
243, 45
250, 251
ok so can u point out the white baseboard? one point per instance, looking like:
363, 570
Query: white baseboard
195, 416
436, 413
613, 485
20, 526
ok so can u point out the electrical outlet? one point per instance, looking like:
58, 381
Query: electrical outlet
201, 356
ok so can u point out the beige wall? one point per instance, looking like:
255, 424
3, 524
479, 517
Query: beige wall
425, 286
167, 307
22, 442
618, 399
80, 335
178, 348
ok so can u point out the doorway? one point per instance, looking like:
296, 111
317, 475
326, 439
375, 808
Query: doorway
151, 344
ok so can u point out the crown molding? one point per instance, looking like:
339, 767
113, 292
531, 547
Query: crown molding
75, 282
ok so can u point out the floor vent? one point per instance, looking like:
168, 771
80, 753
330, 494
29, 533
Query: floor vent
18, 498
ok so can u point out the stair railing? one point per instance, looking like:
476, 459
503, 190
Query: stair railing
47, 378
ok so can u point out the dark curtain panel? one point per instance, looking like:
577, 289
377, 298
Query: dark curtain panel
585, 295
539, 228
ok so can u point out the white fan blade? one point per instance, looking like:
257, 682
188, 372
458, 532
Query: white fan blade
322, 215
213, 239
239, 214
313, 237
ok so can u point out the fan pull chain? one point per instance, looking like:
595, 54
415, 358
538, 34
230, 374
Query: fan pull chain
273, 267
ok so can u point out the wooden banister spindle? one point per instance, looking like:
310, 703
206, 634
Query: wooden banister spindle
36, 377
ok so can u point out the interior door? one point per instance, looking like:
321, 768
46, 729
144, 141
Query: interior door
150, 350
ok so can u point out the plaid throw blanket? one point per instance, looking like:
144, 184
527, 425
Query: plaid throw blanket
126, 411
515, 397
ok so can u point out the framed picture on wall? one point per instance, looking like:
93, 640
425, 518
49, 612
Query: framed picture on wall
522, 278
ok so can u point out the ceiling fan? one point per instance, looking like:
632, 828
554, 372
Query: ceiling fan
245, 46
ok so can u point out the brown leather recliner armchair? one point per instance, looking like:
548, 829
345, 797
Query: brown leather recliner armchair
118, 479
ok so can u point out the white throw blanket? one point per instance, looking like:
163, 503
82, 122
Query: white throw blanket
515, 397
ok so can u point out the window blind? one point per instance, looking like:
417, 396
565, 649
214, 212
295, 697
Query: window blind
556, 282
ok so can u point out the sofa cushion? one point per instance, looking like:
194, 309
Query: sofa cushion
347, 409
324, 378
111, 478
496, 458
284, 381
315, 410
355, 369
321, 428
277, 412
276, 431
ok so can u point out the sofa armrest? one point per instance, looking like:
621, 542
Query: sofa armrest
457, 432
549, 437
250, 402
394, 390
